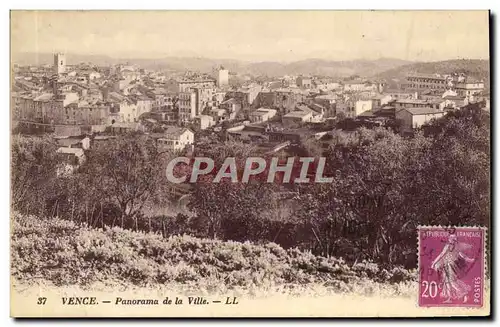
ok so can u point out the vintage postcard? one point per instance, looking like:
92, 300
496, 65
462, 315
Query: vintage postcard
250, 164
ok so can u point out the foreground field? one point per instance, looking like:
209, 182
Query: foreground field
56, 258
64, 253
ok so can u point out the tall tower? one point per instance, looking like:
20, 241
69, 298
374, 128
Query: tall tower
222, 77
59, 63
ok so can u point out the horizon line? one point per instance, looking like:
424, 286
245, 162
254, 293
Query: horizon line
141, 57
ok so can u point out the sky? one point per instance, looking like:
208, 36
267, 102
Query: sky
256, 35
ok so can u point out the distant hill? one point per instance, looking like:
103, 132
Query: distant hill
393, 71
477, 68
325, 67
309, 66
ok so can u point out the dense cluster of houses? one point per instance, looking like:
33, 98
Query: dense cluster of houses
85, 105
73, 141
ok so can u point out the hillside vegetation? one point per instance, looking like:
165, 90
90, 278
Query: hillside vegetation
65, 253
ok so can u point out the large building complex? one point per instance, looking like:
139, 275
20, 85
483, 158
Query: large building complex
428, 81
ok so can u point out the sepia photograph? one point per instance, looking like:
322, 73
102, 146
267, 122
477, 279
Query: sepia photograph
250, 163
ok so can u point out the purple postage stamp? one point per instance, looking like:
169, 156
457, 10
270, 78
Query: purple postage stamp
451, 266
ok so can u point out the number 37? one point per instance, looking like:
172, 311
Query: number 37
41, 300
430, 289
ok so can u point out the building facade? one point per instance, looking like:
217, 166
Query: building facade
412, 118
428, 82
176, 138
469, 88
59, 63
261, 115
304, 82
187, 106
222, 77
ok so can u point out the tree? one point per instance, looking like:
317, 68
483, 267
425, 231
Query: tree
128, 172
232, 210
226, 209
459, 169
341, 116
312, 147
386, 185
33, 171
354, 215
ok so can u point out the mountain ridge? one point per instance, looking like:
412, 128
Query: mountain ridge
315, 66
391, 70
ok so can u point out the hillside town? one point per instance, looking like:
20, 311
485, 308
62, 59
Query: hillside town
83, 105
229, 157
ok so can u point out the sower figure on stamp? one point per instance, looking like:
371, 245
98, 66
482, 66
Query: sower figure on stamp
451, 263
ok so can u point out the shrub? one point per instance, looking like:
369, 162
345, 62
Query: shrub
64, 252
